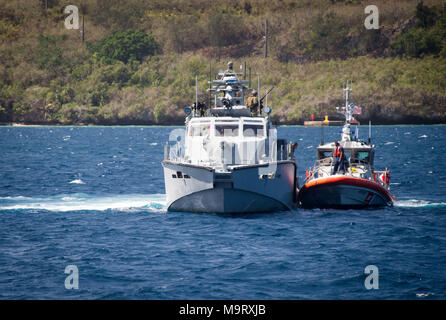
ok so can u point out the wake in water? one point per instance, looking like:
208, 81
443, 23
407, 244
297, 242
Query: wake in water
82, 202
150, 202
413, 203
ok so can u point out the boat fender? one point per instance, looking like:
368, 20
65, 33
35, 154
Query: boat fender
387, 177
374, 176
307, 175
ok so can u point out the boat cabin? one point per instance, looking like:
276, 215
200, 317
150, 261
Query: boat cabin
224, 139
356, 153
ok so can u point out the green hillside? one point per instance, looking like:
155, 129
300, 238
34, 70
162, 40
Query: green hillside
138, 61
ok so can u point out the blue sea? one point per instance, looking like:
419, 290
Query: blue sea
94, 198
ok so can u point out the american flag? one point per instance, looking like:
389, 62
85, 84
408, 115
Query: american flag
357, 110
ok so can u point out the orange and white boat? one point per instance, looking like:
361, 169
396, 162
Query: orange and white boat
358, 185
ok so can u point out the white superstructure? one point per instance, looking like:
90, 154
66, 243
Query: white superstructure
226, 160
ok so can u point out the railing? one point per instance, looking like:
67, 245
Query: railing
352, 168
173, 152
382, 177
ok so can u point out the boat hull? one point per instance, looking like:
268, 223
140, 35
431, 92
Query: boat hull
344, 192
239, 190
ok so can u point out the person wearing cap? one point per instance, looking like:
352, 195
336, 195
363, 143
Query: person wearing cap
253, 103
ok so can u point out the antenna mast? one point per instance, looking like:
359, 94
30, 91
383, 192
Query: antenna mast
196, 91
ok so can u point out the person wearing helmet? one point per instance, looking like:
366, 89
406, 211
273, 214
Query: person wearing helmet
253, 103
230, 68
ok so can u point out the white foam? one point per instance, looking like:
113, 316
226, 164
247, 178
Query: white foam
423, 136
82, 202
154, 143
390, 142
14, 198
77, 181
424, 295
413, 203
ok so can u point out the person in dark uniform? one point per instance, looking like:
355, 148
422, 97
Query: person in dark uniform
291, 148
339, 158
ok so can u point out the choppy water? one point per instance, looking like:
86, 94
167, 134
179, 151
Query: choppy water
94, 197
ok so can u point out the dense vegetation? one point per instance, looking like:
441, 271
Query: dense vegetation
139, 59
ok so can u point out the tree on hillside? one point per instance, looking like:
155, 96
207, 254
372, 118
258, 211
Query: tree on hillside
425, 16
124, 45
326, 37
427, 37
49, 52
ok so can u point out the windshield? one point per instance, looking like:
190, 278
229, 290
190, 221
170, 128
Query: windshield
325, 154
253, 130
363, 156
199, 130
226, 130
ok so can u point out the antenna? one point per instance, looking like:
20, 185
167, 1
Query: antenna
250, 77
258, 85
322, 134
370, 131
196, 91
210, 80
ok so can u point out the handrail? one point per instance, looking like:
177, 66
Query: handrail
386, 173
329, 162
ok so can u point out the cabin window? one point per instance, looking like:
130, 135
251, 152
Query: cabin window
199, 130
226, 130
253, 130
363, 156
325, 154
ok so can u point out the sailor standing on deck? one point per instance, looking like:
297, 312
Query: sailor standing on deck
230, 68
291, 148
339, 158
253, 103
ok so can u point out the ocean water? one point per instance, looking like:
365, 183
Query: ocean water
93, 197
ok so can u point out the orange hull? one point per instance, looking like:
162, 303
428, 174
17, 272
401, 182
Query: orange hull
344, 192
